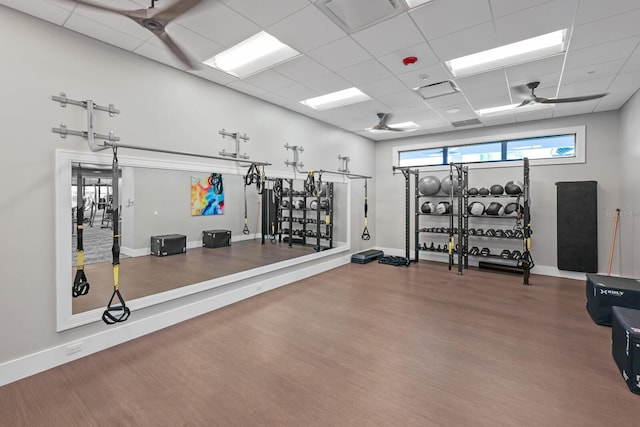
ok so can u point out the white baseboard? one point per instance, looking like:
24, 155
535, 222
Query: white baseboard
32, 364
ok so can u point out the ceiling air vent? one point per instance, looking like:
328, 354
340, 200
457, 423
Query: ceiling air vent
355, 15
462, 123
435, 90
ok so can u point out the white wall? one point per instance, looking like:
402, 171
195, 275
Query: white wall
602, 157
629, 226
160, 107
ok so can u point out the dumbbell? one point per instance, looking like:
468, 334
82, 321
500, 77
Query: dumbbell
471, 231
506, 254
432, 247
499, 233
491, 232
508, 233
516, 255
474, 251
479, 232
485, 252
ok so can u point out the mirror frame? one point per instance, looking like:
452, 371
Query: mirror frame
63, 233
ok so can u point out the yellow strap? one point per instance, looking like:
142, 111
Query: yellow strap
451, 245
365, 222
527, 243
327, 219
116, 274
80, 227
80, 258
245, 220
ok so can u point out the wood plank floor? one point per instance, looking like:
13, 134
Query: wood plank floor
371, 345
148, 275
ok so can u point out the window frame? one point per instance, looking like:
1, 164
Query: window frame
578, 131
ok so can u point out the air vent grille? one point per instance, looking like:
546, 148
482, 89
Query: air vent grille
435, 90
355, 15
462, 123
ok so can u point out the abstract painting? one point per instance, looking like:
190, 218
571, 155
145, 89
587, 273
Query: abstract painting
207, 195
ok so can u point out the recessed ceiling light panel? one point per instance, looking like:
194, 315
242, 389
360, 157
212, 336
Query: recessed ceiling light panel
336, 99
510, 54
252, 55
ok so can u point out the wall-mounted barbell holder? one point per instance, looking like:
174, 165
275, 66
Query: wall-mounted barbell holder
236, 137
344, 163
296, 163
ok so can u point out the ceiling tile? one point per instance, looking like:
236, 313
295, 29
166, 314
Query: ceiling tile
439, 18
112, 20
328, 83
55, 11
302, 69
501, 119
535, 21
625, 83
383, 87
612, 102
489, 96
424, 76
213, 75
265, 13
606, 30
159, 54
591, 72
507, 7
633, 62
307, 29
546, 71
403, 102
340, 54
423, 52
604, 52
465, 42
477, 81
369, 109
365, 72
269, 80
242, 86
219, 23
590, 87
297, 92
389, 36
593, 10
465, 111
575, 108
446, 101
104, 33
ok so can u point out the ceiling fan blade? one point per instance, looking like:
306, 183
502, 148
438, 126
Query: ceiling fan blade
525, 102
384, 117
394, 129
172, 12
572, 99
177, 51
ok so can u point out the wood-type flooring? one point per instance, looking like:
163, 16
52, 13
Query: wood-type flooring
360, 345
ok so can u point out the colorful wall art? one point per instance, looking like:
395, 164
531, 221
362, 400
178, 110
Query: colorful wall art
207, 195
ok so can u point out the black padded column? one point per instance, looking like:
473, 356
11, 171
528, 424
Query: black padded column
577, 226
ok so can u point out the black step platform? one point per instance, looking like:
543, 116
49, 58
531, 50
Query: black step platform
625, 345
604, 292
168, 244
365, 257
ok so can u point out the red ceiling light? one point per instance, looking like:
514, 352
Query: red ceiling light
409, 60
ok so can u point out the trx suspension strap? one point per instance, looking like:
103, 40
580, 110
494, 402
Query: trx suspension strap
365, 232
253, 176
116, 311
80, 283
245, 230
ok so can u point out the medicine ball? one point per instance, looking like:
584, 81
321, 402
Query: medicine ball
285, 203
286, 191
511, 209
443, 208
446, 185
476, 208
496, 189
428, 207
298, 203
514, 187
472, 191
429, 185
313, 204
324, 204
483, 192
495, 209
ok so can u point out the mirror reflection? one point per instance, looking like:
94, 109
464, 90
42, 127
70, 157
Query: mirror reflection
180, 228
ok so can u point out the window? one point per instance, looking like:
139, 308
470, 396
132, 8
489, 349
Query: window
550, 147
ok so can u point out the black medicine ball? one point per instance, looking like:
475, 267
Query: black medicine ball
496, 189
514, 187
495, 209
511, 209
428, 207
472, 191
483, 191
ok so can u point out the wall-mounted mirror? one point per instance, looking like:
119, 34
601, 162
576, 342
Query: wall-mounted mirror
160, 198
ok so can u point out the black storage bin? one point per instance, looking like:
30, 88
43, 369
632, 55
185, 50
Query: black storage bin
216, 238
625, 345
604, 292
168, 244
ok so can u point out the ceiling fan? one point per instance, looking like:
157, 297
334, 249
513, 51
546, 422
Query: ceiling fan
533, 99
156, 20
382, 124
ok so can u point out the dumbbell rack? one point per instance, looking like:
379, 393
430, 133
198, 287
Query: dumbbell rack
311, 225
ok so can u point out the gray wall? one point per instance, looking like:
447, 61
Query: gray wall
602, 165
627, 250
161, 107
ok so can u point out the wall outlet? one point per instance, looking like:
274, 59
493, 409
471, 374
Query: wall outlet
73, 348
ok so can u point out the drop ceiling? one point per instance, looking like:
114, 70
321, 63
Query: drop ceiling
340, 50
